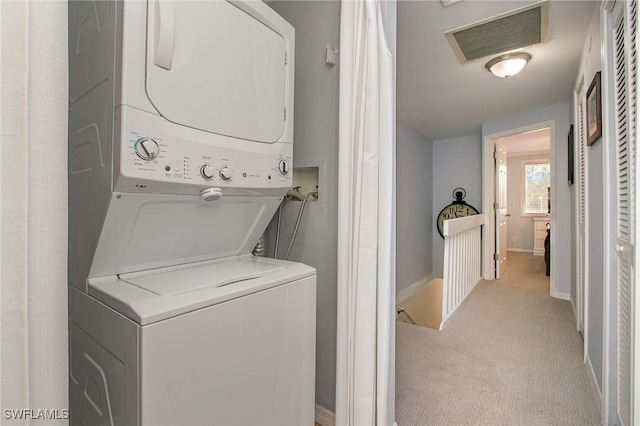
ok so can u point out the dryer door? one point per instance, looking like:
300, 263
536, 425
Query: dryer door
216, 67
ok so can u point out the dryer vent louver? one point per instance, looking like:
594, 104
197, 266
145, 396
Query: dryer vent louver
521, 28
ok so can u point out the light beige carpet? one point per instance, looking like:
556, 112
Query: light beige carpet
510, 355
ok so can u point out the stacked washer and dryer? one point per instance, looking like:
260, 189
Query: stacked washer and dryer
180, 151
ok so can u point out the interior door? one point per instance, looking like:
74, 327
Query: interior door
501, 210
215, 67
625, 39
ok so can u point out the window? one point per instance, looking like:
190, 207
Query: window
536, 179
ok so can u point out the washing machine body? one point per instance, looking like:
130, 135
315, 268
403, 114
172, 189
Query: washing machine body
228, 342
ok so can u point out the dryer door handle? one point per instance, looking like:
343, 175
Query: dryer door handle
164, 33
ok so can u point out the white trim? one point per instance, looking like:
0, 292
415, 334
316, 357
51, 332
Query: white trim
555, 182
576, 193
562, 296
461, 224
594, 383
488, 197
324, 416
414, 288
528, 153
320, 163
520, 250
584, 306
609, 330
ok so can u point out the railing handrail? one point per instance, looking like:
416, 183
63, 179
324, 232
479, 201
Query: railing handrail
461, 224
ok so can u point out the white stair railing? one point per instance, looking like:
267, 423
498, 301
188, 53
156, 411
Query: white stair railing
462, 261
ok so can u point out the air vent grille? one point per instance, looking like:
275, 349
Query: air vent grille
518, 29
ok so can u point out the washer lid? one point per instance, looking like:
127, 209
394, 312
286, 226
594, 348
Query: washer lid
152, 296
213, 275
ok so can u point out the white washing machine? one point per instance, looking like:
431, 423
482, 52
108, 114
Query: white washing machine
180, 151
227, 342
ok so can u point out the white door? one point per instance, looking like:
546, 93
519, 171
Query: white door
215, 67
501, 210
625, 61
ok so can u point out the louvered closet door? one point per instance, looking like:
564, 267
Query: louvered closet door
625, 57
582, 191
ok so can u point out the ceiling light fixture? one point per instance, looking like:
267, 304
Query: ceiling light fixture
508, 65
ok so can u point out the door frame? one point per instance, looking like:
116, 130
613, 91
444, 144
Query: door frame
581, 289
488, 196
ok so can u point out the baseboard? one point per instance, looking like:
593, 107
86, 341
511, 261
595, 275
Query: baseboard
594, 383
406, 293
325, 417
563, 296
520, 250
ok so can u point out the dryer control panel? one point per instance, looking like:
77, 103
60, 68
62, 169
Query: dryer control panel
152, 159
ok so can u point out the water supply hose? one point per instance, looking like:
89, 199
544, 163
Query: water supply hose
275, 250
259, 249
300, 212
293, 193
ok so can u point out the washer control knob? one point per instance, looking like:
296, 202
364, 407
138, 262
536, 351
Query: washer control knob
225, 173
147, 149
283, 167
206, 171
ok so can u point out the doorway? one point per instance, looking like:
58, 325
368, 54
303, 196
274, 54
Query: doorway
518, 195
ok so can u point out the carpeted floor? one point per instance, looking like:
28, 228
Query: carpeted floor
510, 355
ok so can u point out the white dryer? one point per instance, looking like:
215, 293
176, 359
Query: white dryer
180, 151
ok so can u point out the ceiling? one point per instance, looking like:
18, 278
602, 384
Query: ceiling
440, 98
535, 141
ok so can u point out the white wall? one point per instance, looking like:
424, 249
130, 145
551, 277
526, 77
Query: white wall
316, 141
414, 245
519, 226
560, 115
457, 162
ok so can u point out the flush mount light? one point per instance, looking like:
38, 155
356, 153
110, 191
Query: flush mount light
508, 65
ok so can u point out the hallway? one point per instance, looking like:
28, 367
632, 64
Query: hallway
509, 355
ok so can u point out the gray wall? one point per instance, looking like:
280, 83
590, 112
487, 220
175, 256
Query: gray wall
316, 142
560, 113
457, 162
595, 213
519, 226
414, 244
